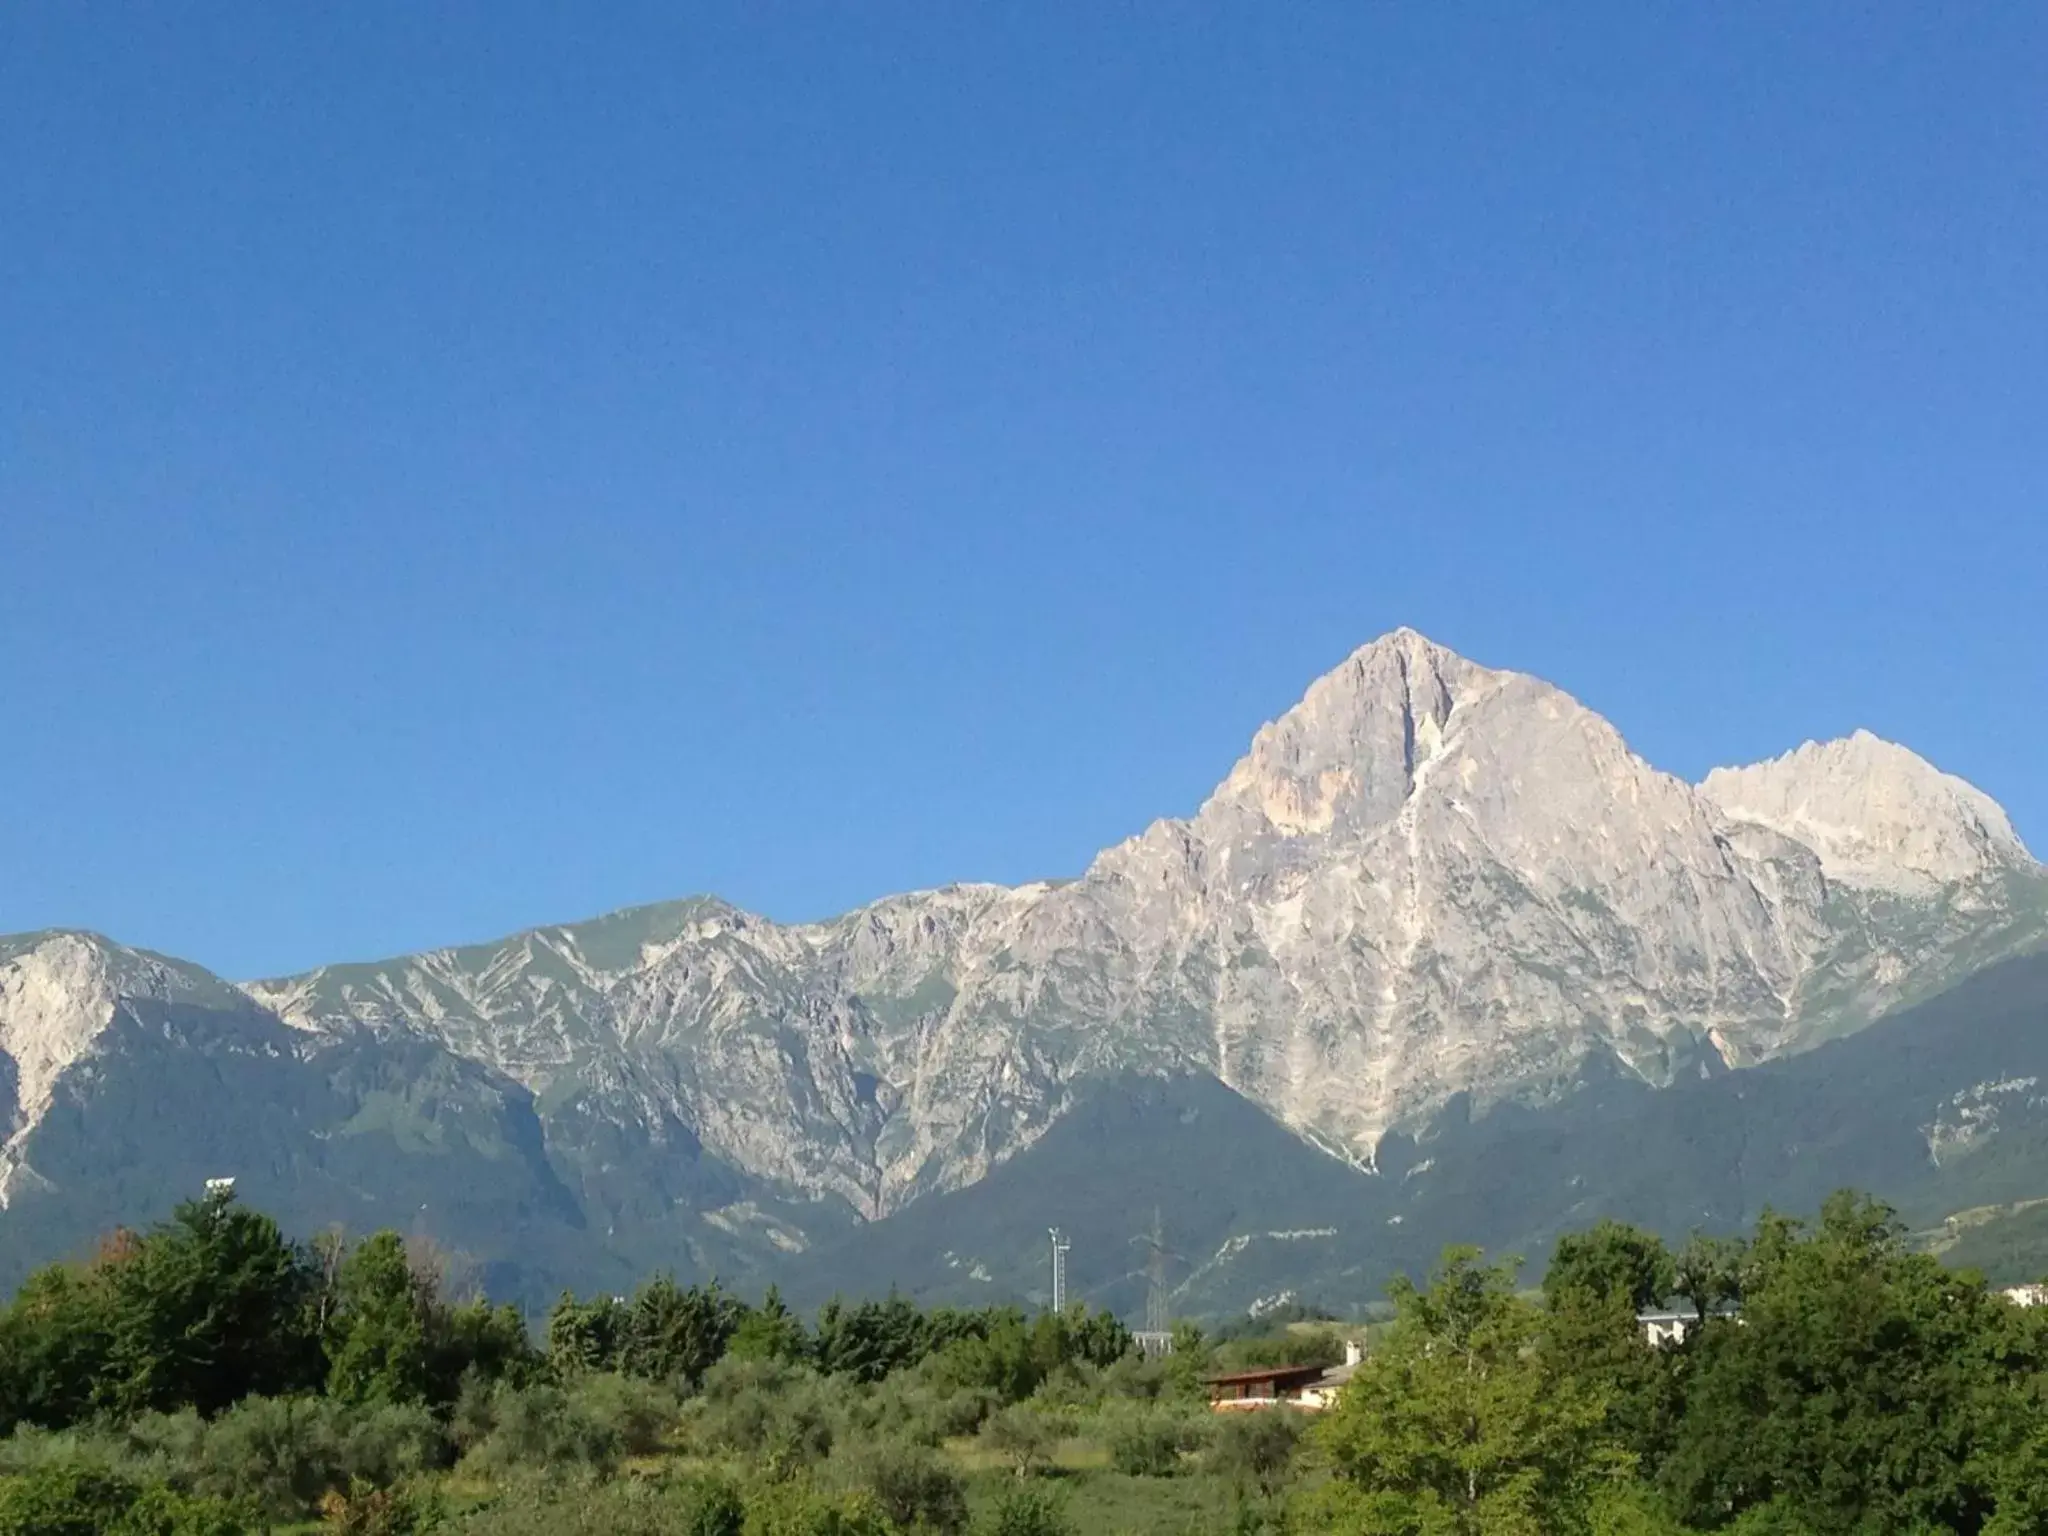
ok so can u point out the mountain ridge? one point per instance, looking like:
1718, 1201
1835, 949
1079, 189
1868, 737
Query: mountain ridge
1429, 881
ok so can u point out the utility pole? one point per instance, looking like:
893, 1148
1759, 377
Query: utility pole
1059, 1269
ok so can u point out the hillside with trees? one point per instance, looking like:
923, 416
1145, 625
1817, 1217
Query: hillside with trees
213, 1376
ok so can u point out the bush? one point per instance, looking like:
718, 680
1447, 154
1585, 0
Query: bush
65, 1500
1026, 1512
1149, 1444
639, 1414
538, 1427
527, 1505
282, 1455
798, 1508
279, 1455
1253, 1447
706, 1506
365, 1511
962, 1412
1021, 1436
769, 1412
29, 1451
914, 1487
82, 1500
161, 1511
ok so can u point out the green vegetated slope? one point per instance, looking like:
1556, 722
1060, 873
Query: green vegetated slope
1240, 1201
1941, 1107
214, 1377
358, 1132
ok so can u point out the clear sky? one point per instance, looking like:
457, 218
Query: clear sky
470, 465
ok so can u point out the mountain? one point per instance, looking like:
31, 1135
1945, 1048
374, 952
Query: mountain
1430, 887
1942, 1107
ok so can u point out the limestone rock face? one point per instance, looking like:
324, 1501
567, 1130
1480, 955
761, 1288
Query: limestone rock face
1428, 879
1874, 814
59, 993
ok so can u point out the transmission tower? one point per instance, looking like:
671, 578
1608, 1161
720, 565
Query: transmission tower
1155, 1275
1059, 1268
1155, 1338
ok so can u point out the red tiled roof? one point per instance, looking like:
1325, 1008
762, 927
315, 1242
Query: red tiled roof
1267, 1373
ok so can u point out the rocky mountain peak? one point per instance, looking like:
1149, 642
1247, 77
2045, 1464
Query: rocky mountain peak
1876, 814
58, 993
1347, 757
1426, 879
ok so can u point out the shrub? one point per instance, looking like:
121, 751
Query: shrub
161, 1511
65, 1500
28, 1451
799, 1508
531, 1505
1149, 1444
282, 1455
914, 1487
1026, 1511
1254, 1447
411, 1510
706, 1506
1022, 1437
81, 1500
769, 1413
639, 1414
962, 1412
539, 1427
279, 1454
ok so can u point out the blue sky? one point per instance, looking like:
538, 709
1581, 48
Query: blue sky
474, 465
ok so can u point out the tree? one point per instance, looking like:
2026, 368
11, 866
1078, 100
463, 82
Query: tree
1597, 1283
55, 1343
481, 1341
214, 1305
1611, 1261
585, 1335
871, 1338
999, 1361
1022, 1437
1864, 1390
770, 1332
1456, 1425
378, 1333
673, 1334
1099, 1338
1709, 1270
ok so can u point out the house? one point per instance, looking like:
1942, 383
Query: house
1322, 1392
2026, 1295
1666, 1326
1311, 1387
1670, 1325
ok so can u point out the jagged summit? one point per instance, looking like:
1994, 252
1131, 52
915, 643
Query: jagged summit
1876, 813
1349, 753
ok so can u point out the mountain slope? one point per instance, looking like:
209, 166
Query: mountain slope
1429, 878
1939, 1108
1430, 884
175, 1077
